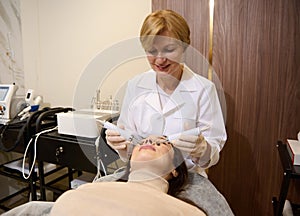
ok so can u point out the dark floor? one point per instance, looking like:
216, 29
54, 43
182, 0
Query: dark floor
25, 196
63, 185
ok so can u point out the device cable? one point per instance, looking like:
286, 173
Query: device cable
99, 160
35, 138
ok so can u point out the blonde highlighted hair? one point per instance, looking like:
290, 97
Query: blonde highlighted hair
164, 20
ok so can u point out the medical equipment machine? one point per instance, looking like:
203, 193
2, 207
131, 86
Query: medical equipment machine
7, 96
82, 123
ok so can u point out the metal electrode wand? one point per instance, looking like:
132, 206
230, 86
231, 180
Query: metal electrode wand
133, 139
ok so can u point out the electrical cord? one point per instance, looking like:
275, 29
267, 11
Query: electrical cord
37, 117
99, 161
35, 138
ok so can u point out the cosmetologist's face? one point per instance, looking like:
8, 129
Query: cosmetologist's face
165, 54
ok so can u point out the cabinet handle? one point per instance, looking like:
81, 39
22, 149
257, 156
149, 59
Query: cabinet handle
58, 152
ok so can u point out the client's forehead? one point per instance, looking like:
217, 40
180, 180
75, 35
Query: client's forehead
156, 138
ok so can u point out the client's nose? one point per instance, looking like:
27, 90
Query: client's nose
147, 141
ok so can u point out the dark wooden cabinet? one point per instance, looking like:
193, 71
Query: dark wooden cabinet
75, 153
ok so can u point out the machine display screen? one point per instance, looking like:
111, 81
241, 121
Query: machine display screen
3, 92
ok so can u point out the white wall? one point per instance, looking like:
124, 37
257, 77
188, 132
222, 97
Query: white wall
61, 37
11, 55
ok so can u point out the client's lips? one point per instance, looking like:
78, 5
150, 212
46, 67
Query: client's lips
151, 147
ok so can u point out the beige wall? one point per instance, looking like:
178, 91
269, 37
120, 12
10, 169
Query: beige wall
61, 37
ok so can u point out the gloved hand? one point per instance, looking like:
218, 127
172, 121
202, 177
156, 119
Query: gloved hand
195, 146
118, 143
115, 140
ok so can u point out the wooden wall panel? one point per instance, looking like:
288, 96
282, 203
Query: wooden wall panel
256, 53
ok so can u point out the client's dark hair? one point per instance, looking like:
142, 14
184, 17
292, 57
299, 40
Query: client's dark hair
177, 184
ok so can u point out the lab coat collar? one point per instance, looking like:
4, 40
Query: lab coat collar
186, 84
153, 100
148, 83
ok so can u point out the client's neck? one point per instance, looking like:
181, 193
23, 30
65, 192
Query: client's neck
149, 178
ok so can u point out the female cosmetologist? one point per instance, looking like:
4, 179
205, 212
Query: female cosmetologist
170, 98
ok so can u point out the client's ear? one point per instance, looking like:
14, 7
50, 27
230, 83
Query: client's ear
174, 173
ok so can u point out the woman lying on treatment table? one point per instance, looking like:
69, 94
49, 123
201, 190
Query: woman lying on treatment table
156, 171
154, 177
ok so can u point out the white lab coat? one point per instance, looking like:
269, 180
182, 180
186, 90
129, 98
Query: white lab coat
194, 103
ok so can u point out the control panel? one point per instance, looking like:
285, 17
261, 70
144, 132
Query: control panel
7, 92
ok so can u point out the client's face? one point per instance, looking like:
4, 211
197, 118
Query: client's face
154, 154
151, 148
